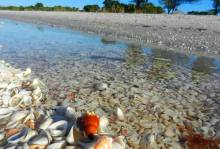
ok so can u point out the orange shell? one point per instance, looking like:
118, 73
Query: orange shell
90, 124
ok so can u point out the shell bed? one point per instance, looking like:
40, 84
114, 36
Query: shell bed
28, 121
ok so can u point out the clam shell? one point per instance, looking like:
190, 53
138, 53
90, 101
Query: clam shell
41, 139
46, 123
58, 128
18, 137
30, 134
57, 145
19, 115
5, 112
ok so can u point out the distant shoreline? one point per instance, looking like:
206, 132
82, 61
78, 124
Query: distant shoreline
185, 33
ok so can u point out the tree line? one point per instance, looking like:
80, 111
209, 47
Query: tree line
39, 7
135, 6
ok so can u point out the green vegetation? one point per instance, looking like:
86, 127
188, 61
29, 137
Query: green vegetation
91, 8
115, 6
39, 7
172, 5
216, 6
211, 12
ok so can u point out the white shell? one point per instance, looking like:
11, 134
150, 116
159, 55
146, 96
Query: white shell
46, 123
58, 128
5, 112
30, 134
57, 145
27, 72
27, 100
70, 112
41, 139
120, 114
118, 143
70, 138
2, 135
19, 115
103, 123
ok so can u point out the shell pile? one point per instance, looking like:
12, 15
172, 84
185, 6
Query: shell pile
27, 122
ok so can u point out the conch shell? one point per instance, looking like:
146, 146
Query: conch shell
90, 124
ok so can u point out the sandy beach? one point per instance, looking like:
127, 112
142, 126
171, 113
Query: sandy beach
199, 34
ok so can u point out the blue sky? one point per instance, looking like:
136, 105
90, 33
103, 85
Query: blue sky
200, 6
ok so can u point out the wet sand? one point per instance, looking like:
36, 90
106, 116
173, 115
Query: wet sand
187, 33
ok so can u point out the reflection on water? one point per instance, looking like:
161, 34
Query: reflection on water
27, 45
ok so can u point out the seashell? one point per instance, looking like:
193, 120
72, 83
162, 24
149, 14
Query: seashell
100, 86
46, 123
70, 138
90, 124
30, 134
120, 114
16, 100
3, 85
104, 142
118, 143
74, 136
2, 135
57, 145
27, 72
18, 137
27, 100
5, 112
5, 99
37, 146
58, 128
70, 112
148, 141
37, 83
103, 123
13, 124
41, 139
11, 132
19, 115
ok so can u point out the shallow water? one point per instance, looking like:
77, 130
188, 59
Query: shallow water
70, 61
